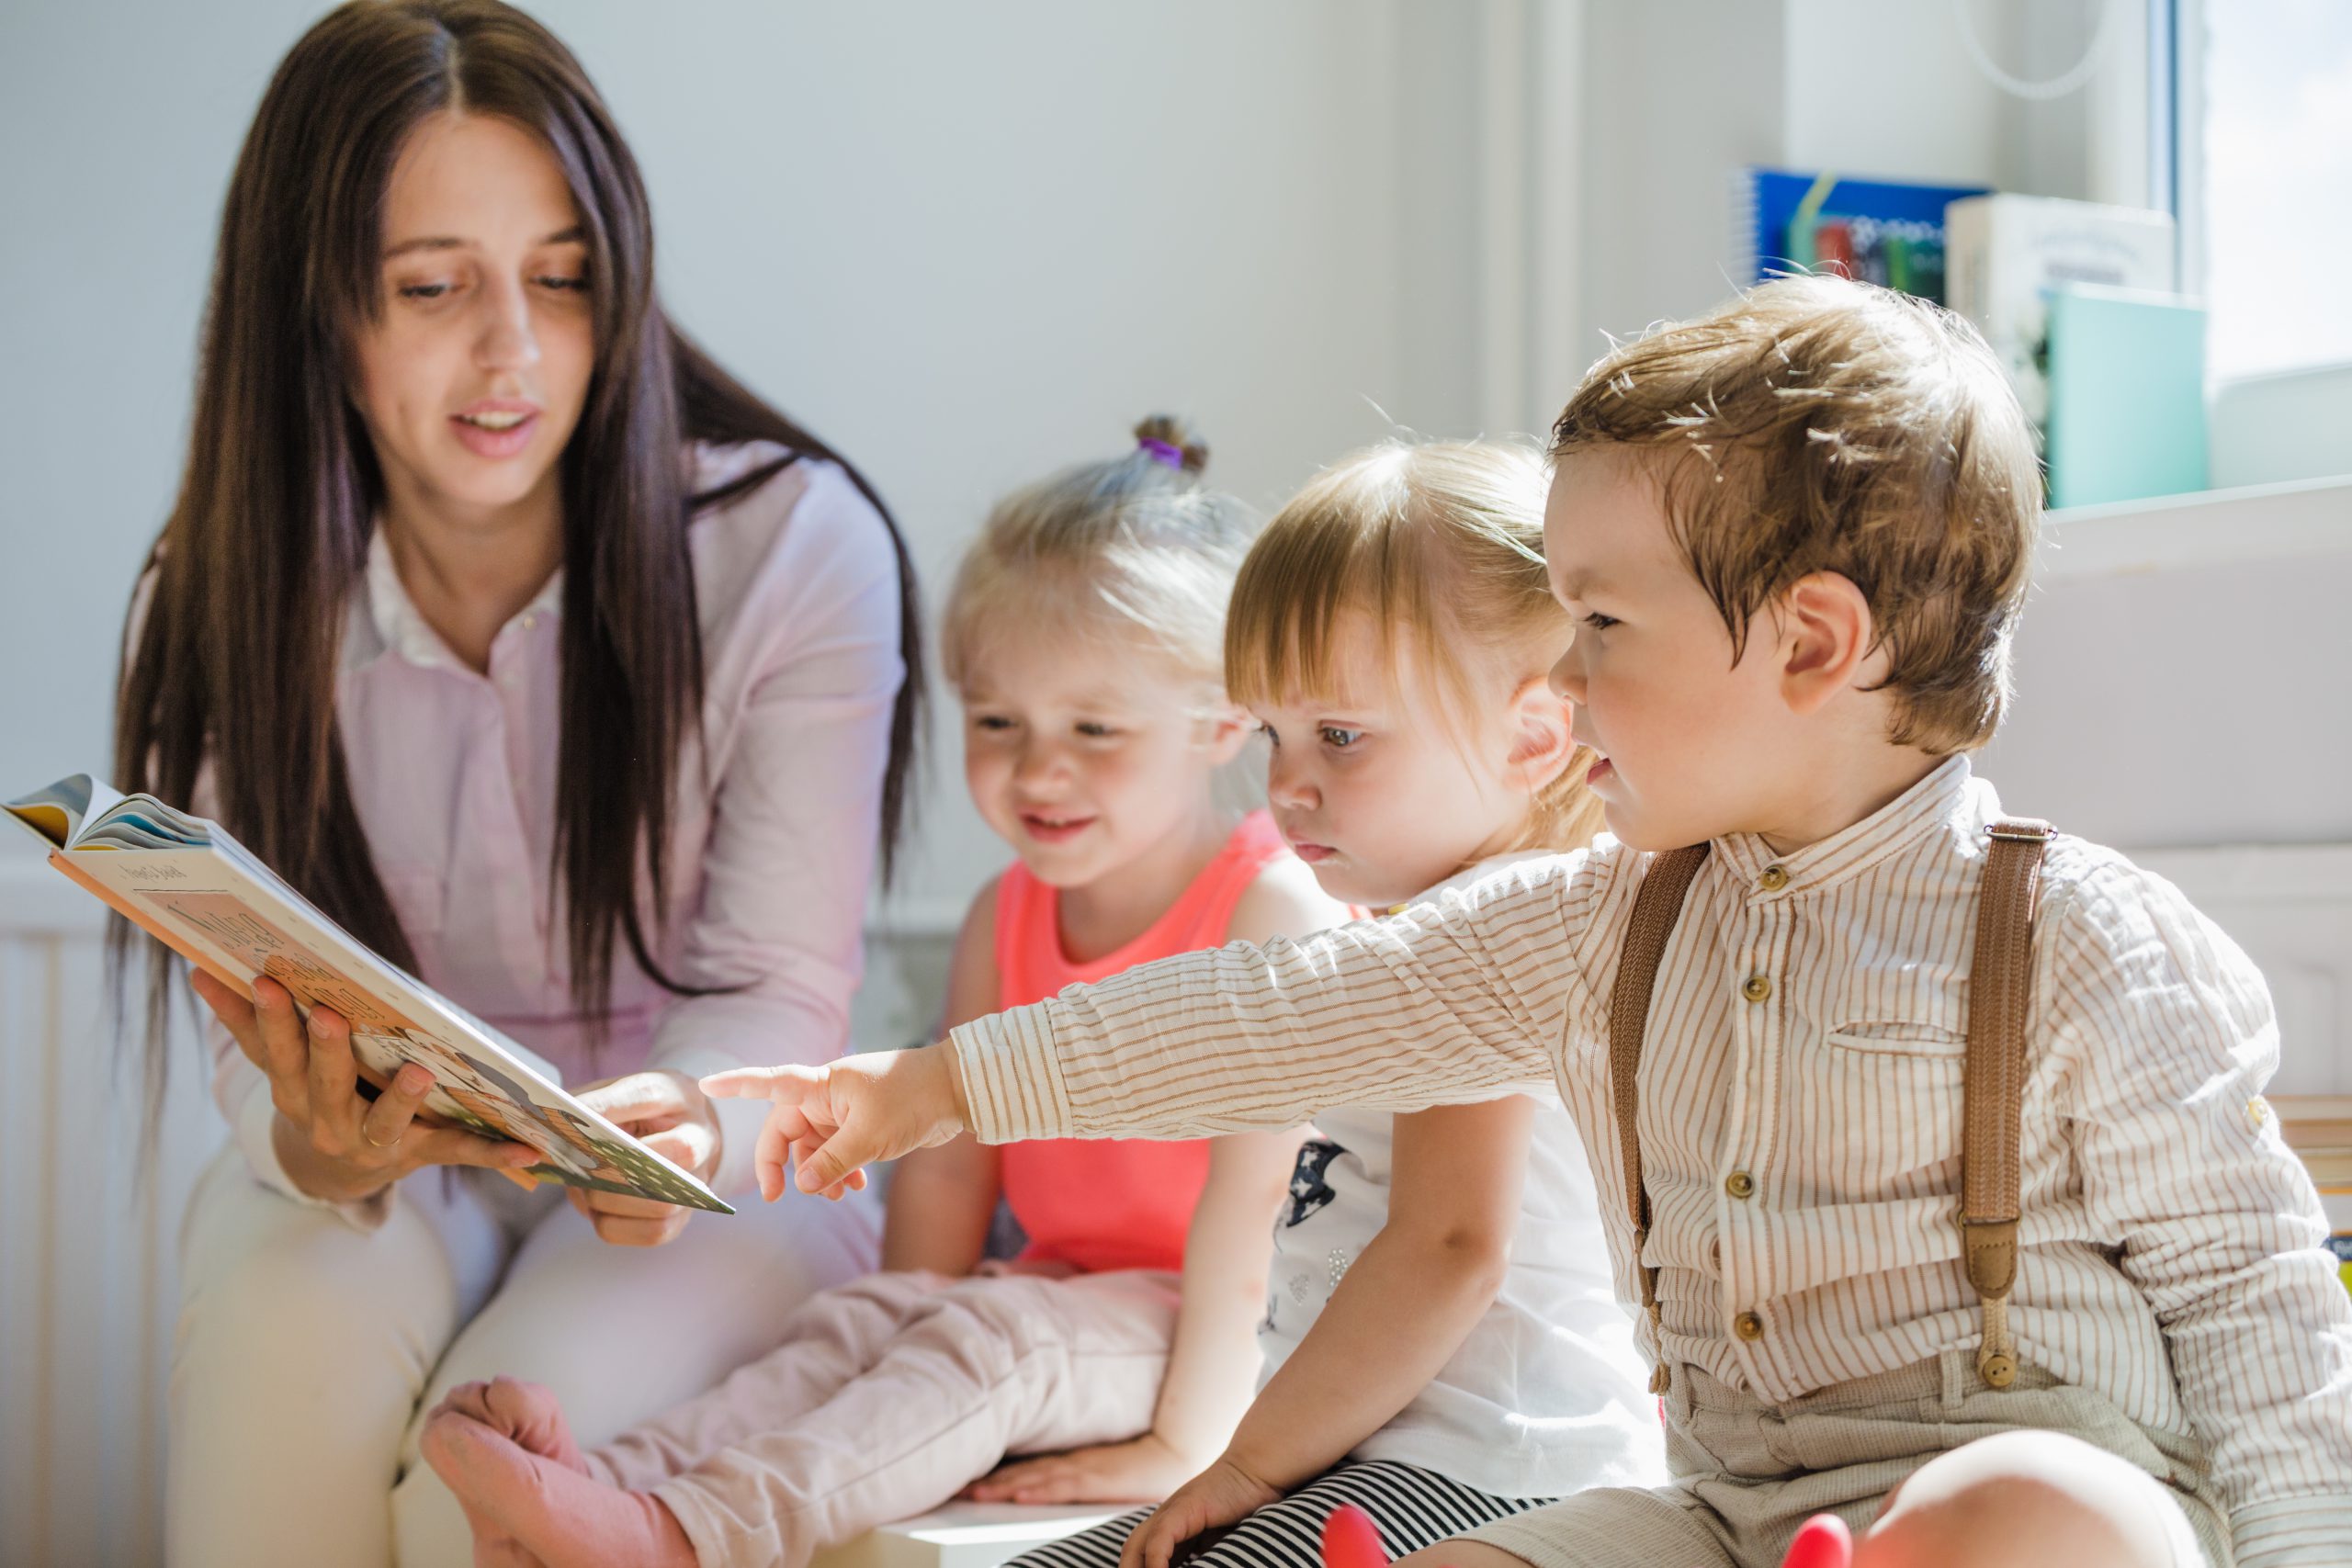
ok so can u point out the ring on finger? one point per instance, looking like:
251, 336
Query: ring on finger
369, 1139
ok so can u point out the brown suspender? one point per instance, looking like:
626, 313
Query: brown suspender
1656, 908
1993, 1081
2000, 980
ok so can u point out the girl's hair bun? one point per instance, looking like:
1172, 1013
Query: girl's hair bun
1161, 433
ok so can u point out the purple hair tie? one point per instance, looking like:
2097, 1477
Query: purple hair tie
1162, 452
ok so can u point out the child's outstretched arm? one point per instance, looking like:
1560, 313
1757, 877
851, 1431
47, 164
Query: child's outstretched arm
1442, 1005
943, 1199
1402, 1310
826, 1124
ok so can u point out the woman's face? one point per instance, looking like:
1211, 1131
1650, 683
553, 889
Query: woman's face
472, 374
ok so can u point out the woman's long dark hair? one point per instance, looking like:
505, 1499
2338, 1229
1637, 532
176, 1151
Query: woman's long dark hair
233, 665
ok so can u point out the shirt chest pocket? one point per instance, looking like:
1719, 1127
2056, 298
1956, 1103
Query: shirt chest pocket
1915, 1012
1891, 1086
1901, 1037
1909, 1050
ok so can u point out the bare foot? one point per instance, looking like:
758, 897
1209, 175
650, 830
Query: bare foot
525, 1411
528, 1413
504, 1451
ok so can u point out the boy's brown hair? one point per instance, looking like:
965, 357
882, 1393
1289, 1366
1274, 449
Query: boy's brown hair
1818, 425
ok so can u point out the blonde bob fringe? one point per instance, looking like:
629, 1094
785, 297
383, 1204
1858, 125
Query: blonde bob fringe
1440, 545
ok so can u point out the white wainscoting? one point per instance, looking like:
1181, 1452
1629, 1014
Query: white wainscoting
88, 1251
88, 1245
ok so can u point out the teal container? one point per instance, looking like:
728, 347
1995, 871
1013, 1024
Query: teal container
2127, 395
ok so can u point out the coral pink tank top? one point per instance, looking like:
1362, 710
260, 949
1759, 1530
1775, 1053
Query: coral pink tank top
1103, 1203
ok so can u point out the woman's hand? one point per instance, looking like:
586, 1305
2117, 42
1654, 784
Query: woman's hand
332, 1143
1143, 1470
674, 1118
1220, 1494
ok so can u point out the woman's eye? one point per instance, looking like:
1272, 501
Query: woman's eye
1093, 730
1600, 622
422, 290
1340, 739
574, 284
991, 721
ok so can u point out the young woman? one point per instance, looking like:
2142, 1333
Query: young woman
559, 669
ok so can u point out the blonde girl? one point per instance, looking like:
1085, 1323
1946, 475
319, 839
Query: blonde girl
1442, 1344
1083, 636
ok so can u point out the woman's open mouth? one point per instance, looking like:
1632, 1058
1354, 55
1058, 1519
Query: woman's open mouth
496, 428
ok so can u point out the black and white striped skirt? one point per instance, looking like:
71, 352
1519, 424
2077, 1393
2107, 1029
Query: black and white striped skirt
1413, 1508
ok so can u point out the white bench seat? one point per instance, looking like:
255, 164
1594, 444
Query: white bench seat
965, 1535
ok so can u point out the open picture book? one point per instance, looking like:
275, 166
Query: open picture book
196, 889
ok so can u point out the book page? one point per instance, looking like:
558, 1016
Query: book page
202, 903
58, 812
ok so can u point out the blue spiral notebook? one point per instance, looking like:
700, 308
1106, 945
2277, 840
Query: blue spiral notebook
1886, 232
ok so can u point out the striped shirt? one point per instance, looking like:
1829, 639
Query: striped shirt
1801, 1116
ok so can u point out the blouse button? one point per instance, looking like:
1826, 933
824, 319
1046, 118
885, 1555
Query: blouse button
1774, 878
1747, 1325
1756, 987
1740, 1184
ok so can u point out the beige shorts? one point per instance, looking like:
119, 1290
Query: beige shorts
1749, 1473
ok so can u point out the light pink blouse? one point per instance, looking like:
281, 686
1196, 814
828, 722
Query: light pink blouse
453, 775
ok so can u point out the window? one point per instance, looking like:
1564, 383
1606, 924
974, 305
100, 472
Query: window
2264, 148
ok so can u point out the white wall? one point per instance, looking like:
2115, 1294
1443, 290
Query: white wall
2180, 672
969, 243
966, 244
1677, 94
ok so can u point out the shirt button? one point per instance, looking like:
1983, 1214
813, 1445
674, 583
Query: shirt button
1774, 878
1756, 987
1747, 1325
2258, 1111
1740, 1184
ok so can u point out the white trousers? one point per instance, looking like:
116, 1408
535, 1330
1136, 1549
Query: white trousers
308, 1351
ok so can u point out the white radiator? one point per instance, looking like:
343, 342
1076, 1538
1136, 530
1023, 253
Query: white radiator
88, 1248
87, 1254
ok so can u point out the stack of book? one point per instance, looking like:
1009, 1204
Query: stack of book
1887, 231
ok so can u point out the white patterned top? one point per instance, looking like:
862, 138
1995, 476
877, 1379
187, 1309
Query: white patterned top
1545, 1395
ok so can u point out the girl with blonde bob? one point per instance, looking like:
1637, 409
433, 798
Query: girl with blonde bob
1442, 1345
1083, 636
